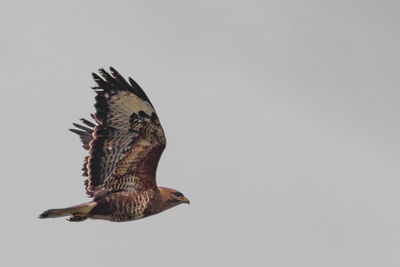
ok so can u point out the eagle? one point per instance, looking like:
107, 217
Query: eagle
125, 141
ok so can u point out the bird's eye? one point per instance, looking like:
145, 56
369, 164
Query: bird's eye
178, 194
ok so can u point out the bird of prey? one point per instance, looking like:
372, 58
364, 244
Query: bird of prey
125, 144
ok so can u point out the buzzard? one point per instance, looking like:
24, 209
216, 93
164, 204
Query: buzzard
125, 144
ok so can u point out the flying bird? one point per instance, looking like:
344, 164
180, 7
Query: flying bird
125, 142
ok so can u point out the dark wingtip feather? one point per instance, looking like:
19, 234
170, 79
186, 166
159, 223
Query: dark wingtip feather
133, 83
106, 75
89, 130
113, 70
88, 123
118, 76
102, 84
115, 82
78, 132
121, 81
95, 76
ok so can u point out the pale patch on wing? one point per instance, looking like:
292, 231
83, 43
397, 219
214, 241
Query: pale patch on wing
122, 105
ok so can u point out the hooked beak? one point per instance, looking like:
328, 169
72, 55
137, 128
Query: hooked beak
185, 200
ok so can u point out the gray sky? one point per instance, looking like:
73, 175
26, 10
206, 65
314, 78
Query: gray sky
282, 121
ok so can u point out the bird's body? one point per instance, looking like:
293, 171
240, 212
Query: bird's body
124, 146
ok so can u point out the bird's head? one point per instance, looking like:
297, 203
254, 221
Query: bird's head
171, 197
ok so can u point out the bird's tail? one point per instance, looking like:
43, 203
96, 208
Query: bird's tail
79, 212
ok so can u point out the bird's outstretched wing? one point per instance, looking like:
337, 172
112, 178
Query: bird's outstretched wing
127, 142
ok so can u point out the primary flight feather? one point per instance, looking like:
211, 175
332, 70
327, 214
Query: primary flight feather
125, 144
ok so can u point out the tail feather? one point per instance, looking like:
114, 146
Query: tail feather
82, 211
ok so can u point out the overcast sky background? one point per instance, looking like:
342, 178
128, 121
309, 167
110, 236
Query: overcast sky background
282, 120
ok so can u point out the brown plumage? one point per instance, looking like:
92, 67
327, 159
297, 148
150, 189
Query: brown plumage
125, 144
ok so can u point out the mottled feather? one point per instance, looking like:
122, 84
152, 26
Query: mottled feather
125, 144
